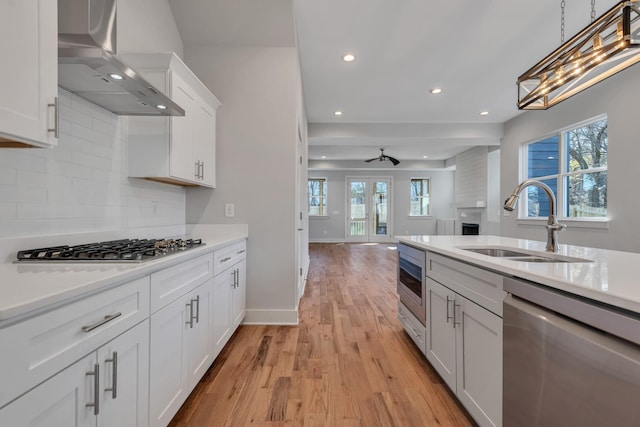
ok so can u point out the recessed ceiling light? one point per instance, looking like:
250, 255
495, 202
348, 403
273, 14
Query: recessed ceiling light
337, 113
436, 90
348, 57
115, 76
484, 113
425, 157
161, 107
323, 157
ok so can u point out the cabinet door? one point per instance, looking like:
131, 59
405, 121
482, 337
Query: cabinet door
222, 287
205, 144
239, 295
125, 379
59, 401
168, 370
182, 163
479, 362
29, 48
199, 332
441, 334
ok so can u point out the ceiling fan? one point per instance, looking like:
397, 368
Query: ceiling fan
382, 157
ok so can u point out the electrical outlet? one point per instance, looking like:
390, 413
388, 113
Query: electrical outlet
229, 210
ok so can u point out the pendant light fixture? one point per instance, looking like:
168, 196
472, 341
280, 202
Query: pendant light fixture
608, 45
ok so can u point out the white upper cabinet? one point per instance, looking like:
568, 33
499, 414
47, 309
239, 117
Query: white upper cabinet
29, 84
176, 150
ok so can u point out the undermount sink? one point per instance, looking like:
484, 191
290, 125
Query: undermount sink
514, 255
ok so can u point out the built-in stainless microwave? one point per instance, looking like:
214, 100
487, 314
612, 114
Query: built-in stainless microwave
411, 283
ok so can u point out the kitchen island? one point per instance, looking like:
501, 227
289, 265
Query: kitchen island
526, 337
610, 277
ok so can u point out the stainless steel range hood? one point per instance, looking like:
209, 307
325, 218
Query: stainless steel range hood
88, 66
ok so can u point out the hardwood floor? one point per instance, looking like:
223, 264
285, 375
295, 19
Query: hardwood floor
347, 363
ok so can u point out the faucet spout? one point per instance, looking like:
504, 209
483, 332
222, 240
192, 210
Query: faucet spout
553, 226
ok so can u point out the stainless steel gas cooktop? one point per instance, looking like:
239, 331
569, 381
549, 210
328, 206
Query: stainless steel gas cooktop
125, 250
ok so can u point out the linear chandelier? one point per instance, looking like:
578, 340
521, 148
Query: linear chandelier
608, 45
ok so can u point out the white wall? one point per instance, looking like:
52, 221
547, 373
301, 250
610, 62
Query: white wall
332, 228
255, 166
471, 175
618, 98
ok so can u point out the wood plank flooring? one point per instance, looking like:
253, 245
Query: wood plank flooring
347, 363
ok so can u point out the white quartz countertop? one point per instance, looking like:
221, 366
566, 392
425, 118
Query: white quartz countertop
611, 277
27, 288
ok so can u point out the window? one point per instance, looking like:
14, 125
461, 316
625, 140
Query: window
573, 164
419, 197
317, 196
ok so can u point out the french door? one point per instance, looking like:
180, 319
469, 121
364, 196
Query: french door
368, 209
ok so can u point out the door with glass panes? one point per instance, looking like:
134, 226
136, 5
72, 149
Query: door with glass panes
368, 209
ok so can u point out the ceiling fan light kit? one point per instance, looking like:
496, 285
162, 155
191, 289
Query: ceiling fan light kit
603, 48
382, 157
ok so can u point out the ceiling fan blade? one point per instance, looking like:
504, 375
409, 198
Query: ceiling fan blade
394, 161
371, 160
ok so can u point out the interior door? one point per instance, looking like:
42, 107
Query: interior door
368, 209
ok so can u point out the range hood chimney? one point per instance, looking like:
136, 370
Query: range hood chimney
88, 66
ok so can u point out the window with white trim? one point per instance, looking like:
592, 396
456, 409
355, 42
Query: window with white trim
317, 188
420, 197
573, 163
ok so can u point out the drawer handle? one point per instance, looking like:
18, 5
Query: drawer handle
225, 259
114, 375
96, 389
241, 251
106, 319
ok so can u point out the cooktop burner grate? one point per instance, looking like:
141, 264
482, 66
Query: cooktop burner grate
125, 250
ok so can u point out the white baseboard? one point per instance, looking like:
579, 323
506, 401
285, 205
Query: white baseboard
325, 240
271, 317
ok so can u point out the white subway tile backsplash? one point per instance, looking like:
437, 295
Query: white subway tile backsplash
81, 185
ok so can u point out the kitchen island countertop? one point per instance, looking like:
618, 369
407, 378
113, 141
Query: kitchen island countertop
29, 288
611, 277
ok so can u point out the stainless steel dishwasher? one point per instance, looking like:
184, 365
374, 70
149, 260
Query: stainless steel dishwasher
568, 361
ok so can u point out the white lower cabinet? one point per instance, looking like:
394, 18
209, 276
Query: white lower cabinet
222, 285
181, 351
230, 292
464, 345
108, 387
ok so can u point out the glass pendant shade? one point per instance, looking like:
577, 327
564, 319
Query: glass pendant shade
608, 45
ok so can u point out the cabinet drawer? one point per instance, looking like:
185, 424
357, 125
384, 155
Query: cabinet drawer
480, 286
228, 256
171, 283
37, 348
415, 329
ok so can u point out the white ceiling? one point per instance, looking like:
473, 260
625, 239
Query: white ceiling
473, 49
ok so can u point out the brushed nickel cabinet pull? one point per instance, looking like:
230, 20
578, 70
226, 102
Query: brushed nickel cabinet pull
56, 118
241, 251
106, 319
190, 321
96, 389
114, 375
449, 317
225, 259
455, 322
197, 302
